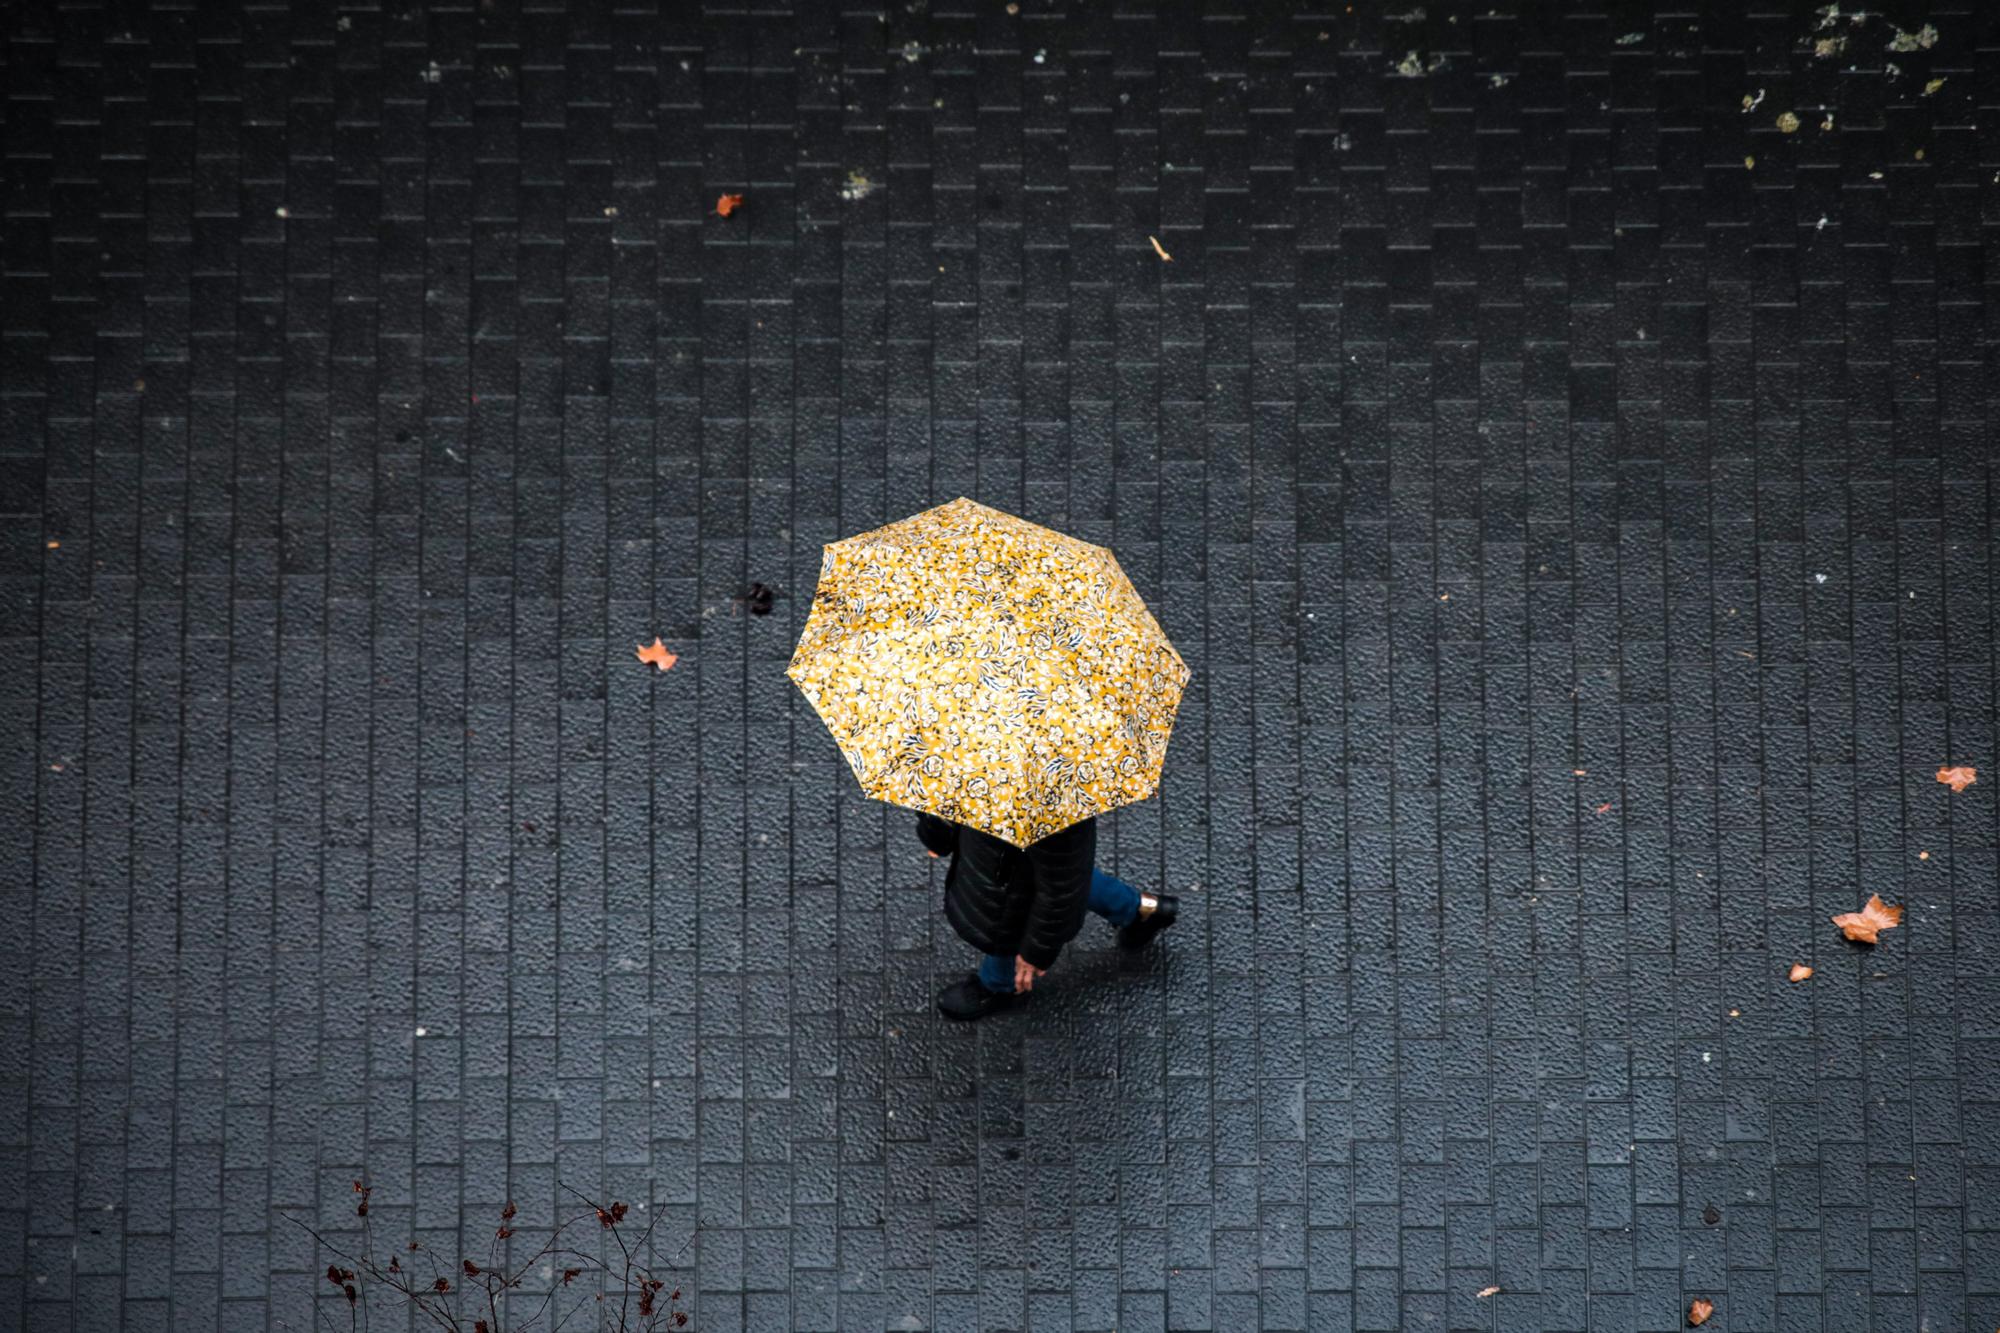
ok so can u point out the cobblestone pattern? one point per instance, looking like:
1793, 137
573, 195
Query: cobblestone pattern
1570, 485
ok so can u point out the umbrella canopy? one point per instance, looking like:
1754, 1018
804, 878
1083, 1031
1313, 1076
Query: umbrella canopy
989, 671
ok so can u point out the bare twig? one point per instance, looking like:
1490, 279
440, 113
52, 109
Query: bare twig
637, 1259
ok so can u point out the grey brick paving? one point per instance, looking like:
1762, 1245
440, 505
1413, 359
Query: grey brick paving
1572, 491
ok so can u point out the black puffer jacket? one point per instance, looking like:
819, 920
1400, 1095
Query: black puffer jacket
1013, 901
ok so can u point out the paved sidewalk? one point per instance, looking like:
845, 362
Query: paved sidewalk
1561, 443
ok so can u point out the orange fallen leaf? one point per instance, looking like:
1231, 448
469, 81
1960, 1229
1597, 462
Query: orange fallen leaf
1959, 778
1699, 1312
1484, 1292
1923, 856
659, 655
1800, 972
1580, 772
728, 204
1160, 250
1604, 808
54, 545
1874, 917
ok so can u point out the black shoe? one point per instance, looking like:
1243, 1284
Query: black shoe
971, 998
1156, 913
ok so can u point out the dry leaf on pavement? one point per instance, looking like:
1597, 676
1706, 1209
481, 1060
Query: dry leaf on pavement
1160, 250
1959, 778
1800, 972
658, 654
1484, 1292
1699, 1312
1874, 917
728, 204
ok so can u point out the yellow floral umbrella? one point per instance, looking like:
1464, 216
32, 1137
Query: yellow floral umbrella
990, 671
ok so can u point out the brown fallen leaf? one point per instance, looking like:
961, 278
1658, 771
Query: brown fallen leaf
1160, 250
1874, 917
1484, 1292
1959, 778
728, 204
1800, 972
1700, 1310
658, 654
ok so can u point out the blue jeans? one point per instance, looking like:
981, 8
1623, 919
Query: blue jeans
1110, 897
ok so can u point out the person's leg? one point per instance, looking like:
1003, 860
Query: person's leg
1113, 899
997, 973
987, 991
1138, 916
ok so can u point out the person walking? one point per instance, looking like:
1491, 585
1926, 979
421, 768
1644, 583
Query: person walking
1020, 905
1007, 683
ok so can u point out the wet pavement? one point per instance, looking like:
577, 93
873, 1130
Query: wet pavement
1558, 437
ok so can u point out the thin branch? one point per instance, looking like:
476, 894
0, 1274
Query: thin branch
548, 1247
437, 1277
382, 1277
581, 1197
638, 1254
549, 1251
320, 1316
443, 1318
586, 1264
367, 1313
569, 1314
624, 1279
548, 1299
